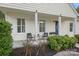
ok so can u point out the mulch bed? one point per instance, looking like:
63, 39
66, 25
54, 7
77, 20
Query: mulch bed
20, 52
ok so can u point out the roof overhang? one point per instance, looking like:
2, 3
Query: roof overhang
73, 9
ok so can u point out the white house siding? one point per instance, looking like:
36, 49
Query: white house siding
29, 27
29, 24
50, 25
66, 27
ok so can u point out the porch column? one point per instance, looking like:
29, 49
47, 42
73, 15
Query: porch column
75, 26
59, 25
36, 24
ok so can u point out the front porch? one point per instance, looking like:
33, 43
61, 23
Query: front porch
24, 22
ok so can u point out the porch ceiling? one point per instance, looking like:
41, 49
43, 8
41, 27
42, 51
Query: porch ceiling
25, 12
47, 16
8, 10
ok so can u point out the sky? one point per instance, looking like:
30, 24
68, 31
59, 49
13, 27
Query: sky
76, 5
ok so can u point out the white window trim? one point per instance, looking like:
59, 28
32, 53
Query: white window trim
21, 26
44, 27
72, 27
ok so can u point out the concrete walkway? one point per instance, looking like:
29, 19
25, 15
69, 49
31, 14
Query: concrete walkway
77, 45
67, 53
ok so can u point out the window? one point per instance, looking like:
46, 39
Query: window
71, 27
42, 26
20, 25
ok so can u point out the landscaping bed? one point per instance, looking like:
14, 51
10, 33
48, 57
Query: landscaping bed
56, 44
20, 52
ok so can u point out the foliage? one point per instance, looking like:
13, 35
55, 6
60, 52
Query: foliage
58, 43
77, 9
2, 16
5, 38
77, 36
53, 43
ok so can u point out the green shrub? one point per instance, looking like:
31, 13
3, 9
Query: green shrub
55, 45
58, 43
65, 42
5, 38
77, 36
2, 16
73, 41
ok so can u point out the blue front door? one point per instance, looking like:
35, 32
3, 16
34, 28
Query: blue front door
56, 27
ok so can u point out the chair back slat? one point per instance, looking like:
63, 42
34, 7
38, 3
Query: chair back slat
29, 35
45, 35
52, 33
